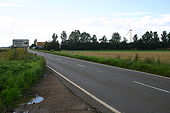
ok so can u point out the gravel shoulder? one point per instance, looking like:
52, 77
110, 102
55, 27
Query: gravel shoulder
58, 99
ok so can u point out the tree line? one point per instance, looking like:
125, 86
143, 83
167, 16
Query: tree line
84, 41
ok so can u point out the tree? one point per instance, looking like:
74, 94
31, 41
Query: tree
122, 45
115, 38
103, 39
93, 39
35, 41
64, 44
124, 40
75, 36
146, 41
73, 40
54, 37
168, 39
155, 37
34, 44
135, 38
147, 37
155, 43
53, 45
85, 37
164, 37
63, 36
134, 44
103, 43
84, 41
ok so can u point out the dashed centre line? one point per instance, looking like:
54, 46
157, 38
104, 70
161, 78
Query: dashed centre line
80, 65
151, 87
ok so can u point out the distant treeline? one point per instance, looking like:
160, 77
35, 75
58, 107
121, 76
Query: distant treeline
84, 41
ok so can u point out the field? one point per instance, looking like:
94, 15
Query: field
18, 71
156, 62
163, 56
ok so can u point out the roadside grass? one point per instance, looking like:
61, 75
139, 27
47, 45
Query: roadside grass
149, 64
116, 50
18, 71
163, 56
14, 54
3, 49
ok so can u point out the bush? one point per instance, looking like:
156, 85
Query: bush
51, 46
16, 76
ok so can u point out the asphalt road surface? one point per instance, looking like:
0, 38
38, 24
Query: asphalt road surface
125, 90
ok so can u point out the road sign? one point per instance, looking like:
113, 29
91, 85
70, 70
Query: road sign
20, 43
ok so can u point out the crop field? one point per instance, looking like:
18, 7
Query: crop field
18, 71
156, 62
163, 56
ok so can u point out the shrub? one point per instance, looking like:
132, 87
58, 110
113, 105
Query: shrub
16, 76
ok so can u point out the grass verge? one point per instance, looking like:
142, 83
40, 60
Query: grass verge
149, 65
116, 50
16, 76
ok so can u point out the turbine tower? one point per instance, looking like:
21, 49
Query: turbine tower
130, 33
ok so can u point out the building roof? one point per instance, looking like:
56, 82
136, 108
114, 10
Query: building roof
40, 44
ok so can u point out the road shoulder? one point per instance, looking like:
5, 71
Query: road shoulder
58, 99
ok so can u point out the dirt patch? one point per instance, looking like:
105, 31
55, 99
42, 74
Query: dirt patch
58, 99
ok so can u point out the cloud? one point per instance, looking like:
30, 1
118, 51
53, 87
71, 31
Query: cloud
132, 14
139, 25
12, 27
10, 5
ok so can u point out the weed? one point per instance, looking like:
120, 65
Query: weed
136, 58
158, 61
149, 60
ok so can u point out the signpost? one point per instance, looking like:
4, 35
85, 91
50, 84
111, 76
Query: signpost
20, 43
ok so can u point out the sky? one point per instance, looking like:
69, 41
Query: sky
39, 19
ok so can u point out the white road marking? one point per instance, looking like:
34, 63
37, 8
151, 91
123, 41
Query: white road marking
80, 65
110, 66
100, 71
151, 87
86, 92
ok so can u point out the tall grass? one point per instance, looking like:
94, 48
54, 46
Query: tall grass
149, 64
14, 54
116, 50
16, 76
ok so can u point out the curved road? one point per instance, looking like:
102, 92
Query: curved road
125, 90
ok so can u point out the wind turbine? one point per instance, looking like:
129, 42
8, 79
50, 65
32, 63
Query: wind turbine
130, 33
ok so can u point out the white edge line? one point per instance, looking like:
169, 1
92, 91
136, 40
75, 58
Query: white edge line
115, 67
86, 92
151, 87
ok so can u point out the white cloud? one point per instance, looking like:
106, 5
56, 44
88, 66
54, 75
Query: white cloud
10, 5
12, 27
132, 14
139, 25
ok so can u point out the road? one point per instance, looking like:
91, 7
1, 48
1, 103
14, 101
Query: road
125, 90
